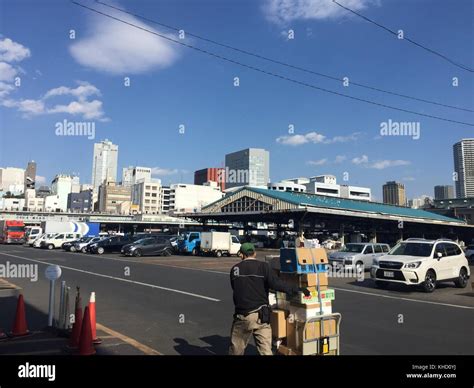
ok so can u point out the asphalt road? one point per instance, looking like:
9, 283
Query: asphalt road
183, 305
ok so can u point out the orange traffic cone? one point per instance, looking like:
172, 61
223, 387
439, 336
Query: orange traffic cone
86, 347
95, 339
19, 326
77, 326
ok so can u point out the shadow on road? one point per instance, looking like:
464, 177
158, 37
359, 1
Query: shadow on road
218, 345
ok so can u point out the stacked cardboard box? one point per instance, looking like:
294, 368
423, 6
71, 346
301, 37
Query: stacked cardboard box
304, 325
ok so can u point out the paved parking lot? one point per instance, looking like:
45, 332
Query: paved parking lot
183, 304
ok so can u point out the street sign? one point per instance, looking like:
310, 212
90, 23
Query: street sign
53, 272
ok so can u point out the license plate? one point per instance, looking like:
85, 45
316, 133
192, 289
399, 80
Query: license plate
388, 274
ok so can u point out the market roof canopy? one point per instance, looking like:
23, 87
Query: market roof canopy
251, 200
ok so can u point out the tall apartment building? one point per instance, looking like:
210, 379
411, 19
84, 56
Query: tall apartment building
30, 175
463, 152
104, 164
212, 174
248, 167
443, 192
394, 193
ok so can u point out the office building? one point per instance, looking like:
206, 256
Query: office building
463, 152
327, 185
248, 167
394, 193
212, 174
61, 186
146, 194
81, 202
114, 199
131, 175
443, 192
287, 185
104, 164
12, 179
186, 198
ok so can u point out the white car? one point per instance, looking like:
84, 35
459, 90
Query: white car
59, 239
422, 262
43, 237
81, 245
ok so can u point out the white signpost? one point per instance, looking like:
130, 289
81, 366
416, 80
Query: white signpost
52, 273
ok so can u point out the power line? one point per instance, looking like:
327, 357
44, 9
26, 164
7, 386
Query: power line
283, 63
268, 72
407, 39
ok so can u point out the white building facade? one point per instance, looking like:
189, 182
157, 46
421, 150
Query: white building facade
104, 165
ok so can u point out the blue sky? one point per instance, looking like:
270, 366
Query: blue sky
83, 80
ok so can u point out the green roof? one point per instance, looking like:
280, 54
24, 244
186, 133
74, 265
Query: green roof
323, 201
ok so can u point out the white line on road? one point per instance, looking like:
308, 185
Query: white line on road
407, 299
119, 279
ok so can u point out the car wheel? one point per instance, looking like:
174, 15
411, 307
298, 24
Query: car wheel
50, 246
461, 281
380, 284
100, 250
194, 252
218, 254
137, 253
84, 250
167, 252
360, 267
429, 284
72, 249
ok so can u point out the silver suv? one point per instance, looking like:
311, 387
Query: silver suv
358, 256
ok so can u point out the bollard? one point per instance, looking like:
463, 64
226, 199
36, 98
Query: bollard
60, 322
67, 322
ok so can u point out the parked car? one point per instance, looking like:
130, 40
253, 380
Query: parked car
81, 245
189, 242
358, 255
149, 246
32, 233
112, 244
43, 237
69, 246
219, 243
469, 252
59, 239
423, 263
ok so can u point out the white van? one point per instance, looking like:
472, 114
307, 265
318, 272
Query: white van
58, 239
40, 239
32, 233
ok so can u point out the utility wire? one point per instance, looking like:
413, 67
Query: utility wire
268, 72
407, 39
283, 63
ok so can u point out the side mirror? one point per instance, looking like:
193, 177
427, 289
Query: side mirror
439, 255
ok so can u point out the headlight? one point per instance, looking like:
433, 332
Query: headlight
348, 259
412, 265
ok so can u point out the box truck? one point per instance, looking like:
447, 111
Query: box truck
219, 244
12, 232
51, 228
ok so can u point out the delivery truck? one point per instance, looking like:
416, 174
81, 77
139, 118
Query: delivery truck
12, 232
83, 228
219, 244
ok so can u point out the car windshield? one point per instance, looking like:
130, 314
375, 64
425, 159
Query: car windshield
412, 249
144, 240
85, 239
353, 248
16, 228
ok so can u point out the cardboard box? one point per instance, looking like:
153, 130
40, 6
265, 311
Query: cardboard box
312, 279
315, 298
278, 323
297, 332
313, 329
303, 312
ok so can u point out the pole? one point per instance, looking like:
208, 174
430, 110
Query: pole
51, 303
61, 321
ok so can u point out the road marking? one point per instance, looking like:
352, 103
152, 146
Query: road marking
401, 298
120, 279
138, 345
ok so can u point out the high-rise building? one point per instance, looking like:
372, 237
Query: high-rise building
30, 175
104, 164
248, 167
61, 186
131, 175
463, 152
443, 192
394, 193
212, 174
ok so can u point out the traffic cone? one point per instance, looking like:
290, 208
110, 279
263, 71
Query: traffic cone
77, 326
19, 326
86, 347
95, 339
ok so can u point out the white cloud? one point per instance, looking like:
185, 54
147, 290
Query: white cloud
5, 89
159, 171
83, 91
315, 138
7, 72
340, 158
29, 107
11, 51
286, 11
320, 162
116, 48
88, 109
379, 164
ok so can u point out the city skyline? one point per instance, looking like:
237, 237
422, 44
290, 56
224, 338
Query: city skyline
181, 112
